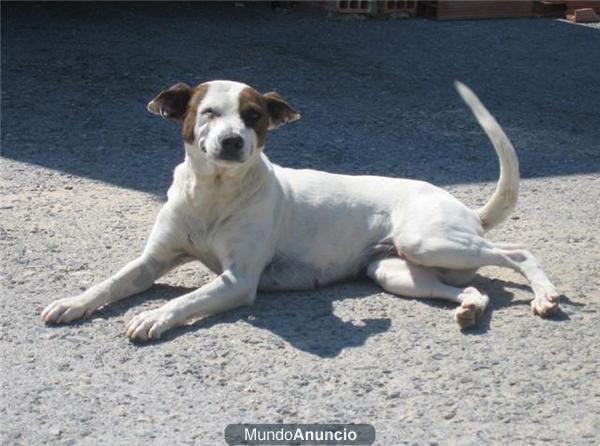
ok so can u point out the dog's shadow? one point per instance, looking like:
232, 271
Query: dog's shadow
307, 319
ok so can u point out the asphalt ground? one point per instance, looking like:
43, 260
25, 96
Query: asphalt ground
85, 168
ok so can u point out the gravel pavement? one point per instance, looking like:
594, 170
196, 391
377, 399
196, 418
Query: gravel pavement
85, 168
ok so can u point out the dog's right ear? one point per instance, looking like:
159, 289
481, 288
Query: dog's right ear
171, 103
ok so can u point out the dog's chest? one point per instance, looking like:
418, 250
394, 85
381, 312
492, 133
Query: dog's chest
198, 248
203, 228
206, 236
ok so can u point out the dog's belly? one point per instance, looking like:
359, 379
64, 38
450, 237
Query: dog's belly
291, 274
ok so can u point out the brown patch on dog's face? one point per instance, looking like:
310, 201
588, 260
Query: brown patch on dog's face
254, 113
264, 112
189, 121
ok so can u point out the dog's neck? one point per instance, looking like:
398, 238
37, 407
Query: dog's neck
208, 183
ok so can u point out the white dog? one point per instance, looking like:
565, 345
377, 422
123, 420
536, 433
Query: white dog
260, 226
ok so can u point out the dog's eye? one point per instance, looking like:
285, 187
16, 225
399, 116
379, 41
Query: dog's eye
252, 115
210, 112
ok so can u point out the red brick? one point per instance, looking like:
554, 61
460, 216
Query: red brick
583, 15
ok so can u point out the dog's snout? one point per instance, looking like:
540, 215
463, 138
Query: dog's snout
231, 147
232, 143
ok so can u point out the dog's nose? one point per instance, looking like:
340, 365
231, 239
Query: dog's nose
231, 146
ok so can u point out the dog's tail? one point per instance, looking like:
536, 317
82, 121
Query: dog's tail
504, 198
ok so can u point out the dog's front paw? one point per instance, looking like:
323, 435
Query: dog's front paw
67, 309
149, 325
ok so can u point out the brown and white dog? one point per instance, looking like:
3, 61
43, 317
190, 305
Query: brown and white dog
260, 226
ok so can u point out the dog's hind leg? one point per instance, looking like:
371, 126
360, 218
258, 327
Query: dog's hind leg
546, 297
470, 251
400, 277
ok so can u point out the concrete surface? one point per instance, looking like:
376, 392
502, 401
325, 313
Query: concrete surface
84, 169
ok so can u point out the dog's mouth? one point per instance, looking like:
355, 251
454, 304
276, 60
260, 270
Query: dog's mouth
222, 159
228, 160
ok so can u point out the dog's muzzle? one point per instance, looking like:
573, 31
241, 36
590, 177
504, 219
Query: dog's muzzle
232, 148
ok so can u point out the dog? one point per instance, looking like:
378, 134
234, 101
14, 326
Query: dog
259, 226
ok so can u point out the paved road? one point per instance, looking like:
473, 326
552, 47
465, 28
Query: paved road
85, 169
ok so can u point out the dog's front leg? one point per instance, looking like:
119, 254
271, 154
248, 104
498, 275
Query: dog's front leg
135, 277
229, 290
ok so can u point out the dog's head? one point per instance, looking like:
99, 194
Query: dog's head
223, 122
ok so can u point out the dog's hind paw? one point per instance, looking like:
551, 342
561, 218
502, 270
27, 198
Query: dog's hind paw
545, 305
471, 308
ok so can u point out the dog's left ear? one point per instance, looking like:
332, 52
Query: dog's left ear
280, 112
171, 103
